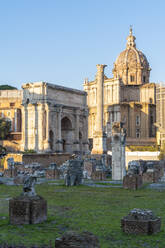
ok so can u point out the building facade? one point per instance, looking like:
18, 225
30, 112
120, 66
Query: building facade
10, 109
128, 97
160, 114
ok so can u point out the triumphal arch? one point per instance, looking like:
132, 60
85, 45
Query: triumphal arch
54, 118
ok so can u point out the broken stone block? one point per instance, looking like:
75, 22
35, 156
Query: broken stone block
72, 239
151, 176
141, 221
132, 181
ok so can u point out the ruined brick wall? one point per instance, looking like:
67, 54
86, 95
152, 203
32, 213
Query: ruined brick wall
43, 159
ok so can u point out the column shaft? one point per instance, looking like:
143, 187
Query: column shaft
100, 92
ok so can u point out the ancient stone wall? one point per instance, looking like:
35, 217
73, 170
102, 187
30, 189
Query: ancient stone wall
43, 159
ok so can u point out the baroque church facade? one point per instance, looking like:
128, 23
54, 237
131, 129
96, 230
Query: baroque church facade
128, 97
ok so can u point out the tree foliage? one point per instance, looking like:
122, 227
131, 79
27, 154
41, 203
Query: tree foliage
7, 87
5, 127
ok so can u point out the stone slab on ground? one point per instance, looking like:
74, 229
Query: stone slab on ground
74, 240
27, 210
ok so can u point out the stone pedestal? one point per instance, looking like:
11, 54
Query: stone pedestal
141, 227
140, 222
132, 182
99, 143
27, 210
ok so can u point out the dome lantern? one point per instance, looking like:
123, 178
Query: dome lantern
131, 39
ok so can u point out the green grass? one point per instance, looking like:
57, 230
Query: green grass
108, 184
80, 208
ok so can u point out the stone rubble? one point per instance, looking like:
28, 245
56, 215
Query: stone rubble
72, 239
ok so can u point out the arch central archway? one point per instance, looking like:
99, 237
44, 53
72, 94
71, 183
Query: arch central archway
67, 135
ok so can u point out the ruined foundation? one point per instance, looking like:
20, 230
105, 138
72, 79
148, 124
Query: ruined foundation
132, 182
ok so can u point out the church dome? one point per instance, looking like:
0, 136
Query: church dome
131, 65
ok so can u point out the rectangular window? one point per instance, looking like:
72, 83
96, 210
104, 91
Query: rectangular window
112, 116
12, 104
137, 133
132, 78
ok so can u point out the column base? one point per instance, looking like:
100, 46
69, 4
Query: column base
99, 143
47, 147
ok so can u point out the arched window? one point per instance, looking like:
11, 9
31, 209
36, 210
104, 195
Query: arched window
144, 79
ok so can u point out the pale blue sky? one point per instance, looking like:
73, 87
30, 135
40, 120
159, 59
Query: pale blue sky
61, 41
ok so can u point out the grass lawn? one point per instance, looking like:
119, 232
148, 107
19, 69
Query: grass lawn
80, 208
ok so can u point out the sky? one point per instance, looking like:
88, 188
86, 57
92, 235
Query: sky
61, 41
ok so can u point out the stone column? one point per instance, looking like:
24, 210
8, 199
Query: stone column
59, 142
15, 120
36, 127
85, 133
99, 137
40, 128
25, 126
76, 142
24, 140
100, 96
118, 151
46, 142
